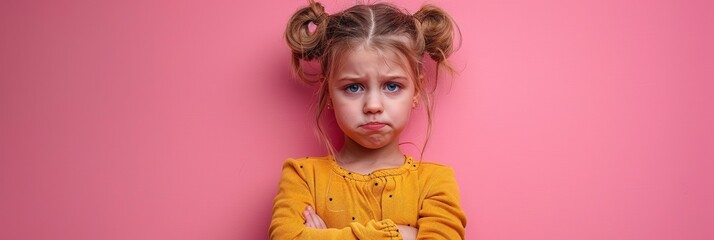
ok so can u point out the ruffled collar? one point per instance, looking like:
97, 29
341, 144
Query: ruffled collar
409, 164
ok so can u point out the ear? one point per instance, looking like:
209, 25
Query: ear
326, 94
328, 102
422, 80
415, 100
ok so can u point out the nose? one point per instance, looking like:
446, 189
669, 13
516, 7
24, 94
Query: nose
373, 103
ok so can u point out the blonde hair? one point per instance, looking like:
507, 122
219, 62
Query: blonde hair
382, 26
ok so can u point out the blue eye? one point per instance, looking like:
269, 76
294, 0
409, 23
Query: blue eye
392, 87
353, 88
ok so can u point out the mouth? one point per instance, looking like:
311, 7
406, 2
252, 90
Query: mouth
373, 125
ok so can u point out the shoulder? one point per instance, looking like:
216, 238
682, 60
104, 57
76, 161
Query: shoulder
431, 169
307, 161
438, 179
435, 175
305, 171
306, 165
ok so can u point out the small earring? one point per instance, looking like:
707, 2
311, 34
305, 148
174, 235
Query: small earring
329, 106
414, 103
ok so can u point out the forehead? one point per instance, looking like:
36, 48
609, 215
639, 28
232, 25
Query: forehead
365, 60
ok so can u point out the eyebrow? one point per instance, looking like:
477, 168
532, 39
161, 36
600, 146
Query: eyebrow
396, 77
350, 79
386, 78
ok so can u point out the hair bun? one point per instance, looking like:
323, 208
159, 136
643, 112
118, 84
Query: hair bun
437, 28
306, 45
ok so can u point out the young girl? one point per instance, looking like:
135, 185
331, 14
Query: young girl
372, 76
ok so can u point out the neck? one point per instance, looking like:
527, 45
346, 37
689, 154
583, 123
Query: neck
357, 158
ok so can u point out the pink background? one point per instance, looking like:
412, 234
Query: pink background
170, 119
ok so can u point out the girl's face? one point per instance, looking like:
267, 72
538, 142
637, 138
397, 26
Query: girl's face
372, 96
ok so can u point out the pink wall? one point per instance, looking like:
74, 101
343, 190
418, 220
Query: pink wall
170, 119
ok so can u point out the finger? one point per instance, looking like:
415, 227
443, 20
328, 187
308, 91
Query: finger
315, 219
318, 220
407, 232
321, 224
308, 219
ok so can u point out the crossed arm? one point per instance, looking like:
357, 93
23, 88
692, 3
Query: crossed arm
312, 220
439, 216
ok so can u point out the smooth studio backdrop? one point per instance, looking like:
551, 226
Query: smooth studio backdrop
170, 119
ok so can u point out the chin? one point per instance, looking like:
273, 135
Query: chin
374, 145
372, 142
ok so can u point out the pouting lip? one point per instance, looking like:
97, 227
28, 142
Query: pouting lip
373, 126
373, 123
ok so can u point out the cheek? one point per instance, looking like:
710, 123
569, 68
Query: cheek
344, 113
401, 110
405, 103
406, 108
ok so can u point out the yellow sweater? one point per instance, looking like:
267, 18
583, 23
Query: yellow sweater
355, 206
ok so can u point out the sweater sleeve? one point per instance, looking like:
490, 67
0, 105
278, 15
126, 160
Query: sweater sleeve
440, 216
294, 194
